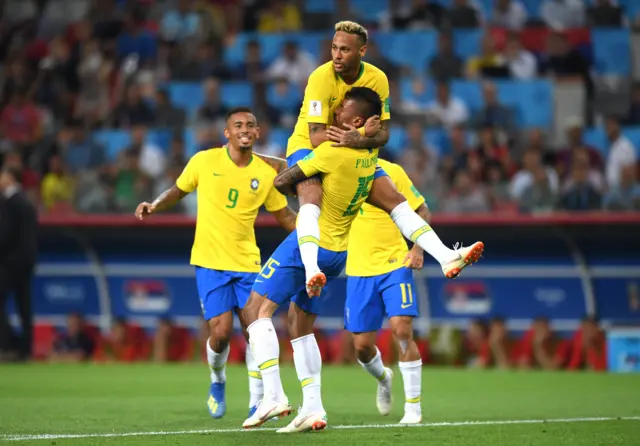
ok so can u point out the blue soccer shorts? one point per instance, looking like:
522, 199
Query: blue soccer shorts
222, 291
370, 299
301, 153
283, 276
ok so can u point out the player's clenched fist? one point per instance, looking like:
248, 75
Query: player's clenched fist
144, 209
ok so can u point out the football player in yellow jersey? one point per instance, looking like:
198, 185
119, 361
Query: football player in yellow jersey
232, 185
347, 175
325, 90
380, 283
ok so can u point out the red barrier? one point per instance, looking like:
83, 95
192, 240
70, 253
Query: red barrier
266, 220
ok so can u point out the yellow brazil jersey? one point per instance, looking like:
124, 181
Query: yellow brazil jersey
347, 175
229, 198
324, 93
376, 245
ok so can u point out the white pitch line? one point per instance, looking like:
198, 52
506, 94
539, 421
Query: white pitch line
22, 437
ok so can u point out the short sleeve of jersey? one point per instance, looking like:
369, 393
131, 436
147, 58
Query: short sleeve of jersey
382, 87
275, 200
406, 187
188, 179
322, 160
316, 99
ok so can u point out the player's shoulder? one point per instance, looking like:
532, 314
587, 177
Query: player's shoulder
323, 73
206, 155
374, 72
263, 168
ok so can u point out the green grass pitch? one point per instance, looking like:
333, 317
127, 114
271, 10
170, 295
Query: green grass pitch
166, 404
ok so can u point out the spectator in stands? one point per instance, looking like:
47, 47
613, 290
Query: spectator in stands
166, 342
252, 69
125, 342
500, 345
445, 65
588, 350
626, 195
177, 154
575, 143
207, 61
279, 16
413, 15
30, 177
475, 349
493, 113
497, 185
563, 14
151, 159
522, 64
75, 345
79, 151
58, 187
509, 14
579, 193
466, 196
526, 177
93, 72
605, 14
621, 152
463, 15
580, 156
266, 144
446, 110
132, 110
21, 122
419, 159
459, 148
540, 348
16, 77
539, 197
135, 39
166, 115
128, 182
212, 111
492, 145
489, 63
284, 101
293, 64
180, 23
633, 116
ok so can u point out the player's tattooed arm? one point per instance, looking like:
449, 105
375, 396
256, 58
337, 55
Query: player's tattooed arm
278, 164
317, 133
353, 138
165, 200
286, 218
286, 180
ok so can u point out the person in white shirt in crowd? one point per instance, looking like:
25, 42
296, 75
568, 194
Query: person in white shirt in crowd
293, 65
509, 14
563, 14
522, 64
151, 159
446, 110
525, 177
622, 153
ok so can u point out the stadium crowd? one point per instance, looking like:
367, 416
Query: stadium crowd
74, 68
485, 344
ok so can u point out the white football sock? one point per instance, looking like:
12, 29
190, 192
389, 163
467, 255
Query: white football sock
308, 362
217, 363
418, 231
266, 351
308, 230
375, 367
412, 379
256, 389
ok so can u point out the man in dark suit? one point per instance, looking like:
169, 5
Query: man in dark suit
18, 251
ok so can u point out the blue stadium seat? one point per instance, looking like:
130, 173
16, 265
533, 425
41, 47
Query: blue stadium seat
470, 92
161, 137
190, 144
114, 141
533, 101
438, 139
280, 136
271, 45
533, 8
396, 141
369, 10
406, 91
286, 103
187, 95
597, 138
612, 51
466, 42
237, 94
412, 49
319, 6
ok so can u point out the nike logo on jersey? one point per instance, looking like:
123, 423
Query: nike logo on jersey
217, 174
404, 306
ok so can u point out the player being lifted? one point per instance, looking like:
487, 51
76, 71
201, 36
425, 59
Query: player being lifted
325, 90
380, 283
347, 175
232, 185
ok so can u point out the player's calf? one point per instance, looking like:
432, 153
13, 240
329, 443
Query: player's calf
410, 365
370, 359
220, 330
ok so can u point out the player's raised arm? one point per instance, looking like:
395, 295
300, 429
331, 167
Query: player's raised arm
287, 179
320, 160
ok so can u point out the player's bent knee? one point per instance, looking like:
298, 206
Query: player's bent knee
384, 195
310, 191
267, 308
365, 346
251, 311
402, 327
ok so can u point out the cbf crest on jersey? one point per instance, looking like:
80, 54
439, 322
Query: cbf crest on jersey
255, 184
